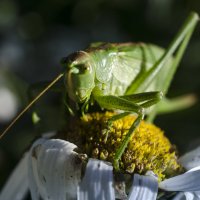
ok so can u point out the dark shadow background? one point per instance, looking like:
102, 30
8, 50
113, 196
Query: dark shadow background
35, 35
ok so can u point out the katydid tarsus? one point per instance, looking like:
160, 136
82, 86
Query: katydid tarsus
122, 76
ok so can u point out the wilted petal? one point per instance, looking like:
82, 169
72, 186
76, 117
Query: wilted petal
17, 184
97, 183
186, 182
143, 188
55, 169
191, 159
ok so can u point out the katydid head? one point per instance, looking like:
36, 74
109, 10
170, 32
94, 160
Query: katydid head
80, 75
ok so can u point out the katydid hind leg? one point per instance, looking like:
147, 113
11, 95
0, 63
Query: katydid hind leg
177, 58
183, 36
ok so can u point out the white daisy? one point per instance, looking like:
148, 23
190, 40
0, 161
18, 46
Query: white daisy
53, 170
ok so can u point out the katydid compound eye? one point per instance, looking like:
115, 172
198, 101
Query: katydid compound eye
86, 68
83, 68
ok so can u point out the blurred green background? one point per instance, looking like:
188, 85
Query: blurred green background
35, 35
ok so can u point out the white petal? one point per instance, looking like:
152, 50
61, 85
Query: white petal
194, 169
97, 183
143, 188
192, 195
34, 183
17, 185
189, 181
55, 169
179, 196
189, 196
197, 194
191, 159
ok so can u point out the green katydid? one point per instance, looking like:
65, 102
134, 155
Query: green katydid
125, 76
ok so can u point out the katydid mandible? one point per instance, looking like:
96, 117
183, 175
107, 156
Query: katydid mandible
125, 76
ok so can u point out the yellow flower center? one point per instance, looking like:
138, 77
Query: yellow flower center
148, 148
